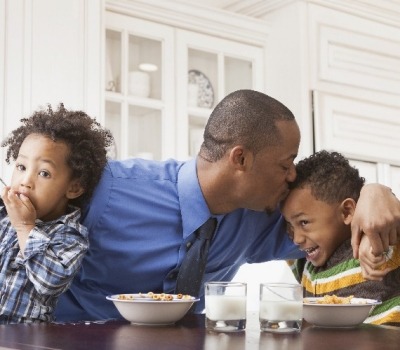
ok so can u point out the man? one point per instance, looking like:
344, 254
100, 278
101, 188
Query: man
143, 215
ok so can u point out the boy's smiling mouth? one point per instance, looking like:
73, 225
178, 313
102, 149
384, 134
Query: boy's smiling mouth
312, 251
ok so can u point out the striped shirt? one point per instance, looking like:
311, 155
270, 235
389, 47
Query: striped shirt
341, 275
31, 283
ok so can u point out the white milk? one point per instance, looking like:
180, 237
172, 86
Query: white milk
281, 310
225, 308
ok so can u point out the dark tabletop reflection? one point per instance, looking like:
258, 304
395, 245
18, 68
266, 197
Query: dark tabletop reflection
281, 342
363, 337
190, 334
166, 337
225, 341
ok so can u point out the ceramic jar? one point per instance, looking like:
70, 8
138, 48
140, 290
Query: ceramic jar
139, 84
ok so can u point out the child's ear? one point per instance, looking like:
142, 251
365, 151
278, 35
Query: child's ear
74, 190
348, 207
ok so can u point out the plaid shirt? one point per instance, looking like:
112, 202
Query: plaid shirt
31, 284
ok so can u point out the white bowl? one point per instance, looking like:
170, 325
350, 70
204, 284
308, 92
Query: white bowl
337, 315
140, 309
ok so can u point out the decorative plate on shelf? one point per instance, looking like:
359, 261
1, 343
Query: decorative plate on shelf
205, 97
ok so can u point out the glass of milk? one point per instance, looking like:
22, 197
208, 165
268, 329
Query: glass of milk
225, 306
281, 307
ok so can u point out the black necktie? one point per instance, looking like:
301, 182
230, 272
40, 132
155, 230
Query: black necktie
191, 272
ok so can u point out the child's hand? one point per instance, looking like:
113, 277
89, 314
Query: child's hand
372, 267
20, 210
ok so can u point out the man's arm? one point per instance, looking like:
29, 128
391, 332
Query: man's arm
377, 216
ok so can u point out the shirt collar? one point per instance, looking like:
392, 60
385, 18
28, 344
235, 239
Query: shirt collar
194, 209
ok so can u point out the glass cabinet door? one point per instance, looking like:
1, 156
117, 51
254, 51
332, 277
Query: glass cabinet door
208, 69
162, 83
138, 105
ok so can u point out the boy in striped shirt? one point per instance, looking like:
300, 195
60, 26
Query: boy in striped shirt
318, 212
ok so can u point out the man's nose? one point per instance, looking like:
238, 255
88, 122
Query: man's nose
291, 174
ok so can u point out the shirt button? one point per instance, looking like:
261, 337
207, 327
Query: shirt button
188, 245
173, 275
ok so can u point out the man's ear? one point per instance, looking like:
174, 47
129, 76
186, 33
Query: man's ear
348, 208
75, 189
240, 157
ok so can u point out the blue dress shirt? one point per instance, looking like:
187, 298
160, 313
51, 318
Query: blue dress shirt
141, 218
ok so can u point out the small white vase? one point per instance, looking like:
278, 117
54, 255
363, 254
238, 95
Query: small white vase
139, 84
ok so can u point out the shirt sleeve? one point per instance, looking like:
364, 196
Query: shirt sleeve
270, 239
52, 260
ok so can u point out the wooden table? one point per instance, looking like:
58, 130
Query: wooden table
190, 334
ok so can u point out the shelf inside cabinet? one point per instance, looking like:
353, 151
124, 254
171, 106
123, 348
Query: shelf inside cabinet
199, 113
140, 101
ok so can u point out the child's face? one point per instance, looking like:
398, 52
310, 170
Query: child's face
42, 174
317, 227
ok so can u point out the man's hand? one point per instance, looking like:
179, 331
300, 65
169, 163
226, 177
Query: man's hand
371, 265
377, 216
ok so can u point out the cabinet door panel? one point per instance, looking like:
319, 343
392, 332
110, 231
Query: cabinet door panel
222, 66
359, 129
366, 169
139, 74
354, 51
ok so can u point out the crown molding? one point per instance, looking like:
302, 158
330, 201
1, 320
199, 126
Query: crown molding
383, 11
195, 17
257, 8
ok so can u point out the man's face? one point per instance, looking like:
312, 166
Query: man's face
266, 183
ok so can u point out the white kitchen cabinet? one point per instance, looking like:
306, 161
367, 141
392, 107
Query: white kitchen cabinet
139, 103
216, 67
162, 80
337, 65
357, 91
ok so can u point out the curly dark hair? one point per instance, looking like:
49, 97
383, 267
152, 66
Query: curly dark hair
85, 137
244, 117
330, 177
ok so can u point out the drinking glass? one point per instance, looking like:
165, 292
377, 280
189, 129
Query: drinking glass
281, 307
225, 306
